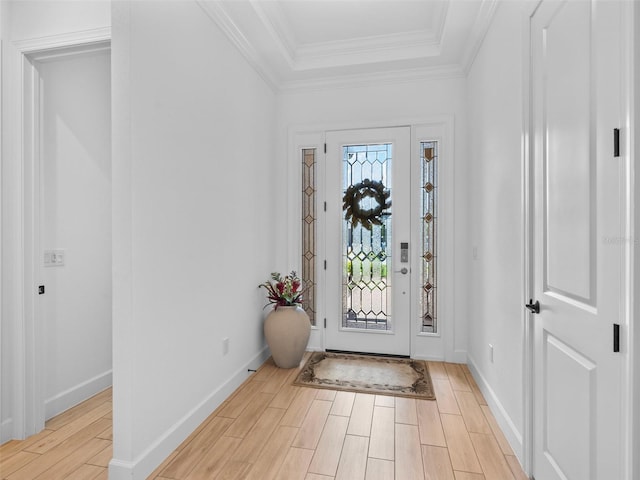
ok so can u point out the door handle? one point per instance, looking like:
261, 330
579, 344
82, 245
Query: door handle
533, 307
403, 270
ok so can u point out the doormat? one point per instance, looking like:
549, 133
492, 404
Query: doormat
401, 377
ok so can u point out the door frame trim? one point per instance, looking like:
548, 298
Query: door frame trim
527, 215
631, 116
28, 409
356, 340
313, 136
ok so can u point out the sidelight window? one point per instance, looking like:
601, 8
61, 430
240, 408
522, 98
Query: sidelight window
308, 274
429, 225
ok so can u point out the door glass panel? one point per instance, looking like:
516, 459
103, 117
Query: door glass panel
366, 237
429, 220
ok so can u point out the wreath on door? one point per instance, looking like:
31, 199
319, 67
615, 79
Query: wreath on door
370, 216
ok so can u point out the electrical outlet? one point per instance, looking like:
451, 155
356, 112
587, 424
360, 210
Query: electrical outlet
491, 353
225, 345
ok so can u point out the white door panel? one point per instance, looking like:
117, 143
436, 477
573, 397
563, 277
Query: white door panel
568, 403
577, 271
382, 297
567, 132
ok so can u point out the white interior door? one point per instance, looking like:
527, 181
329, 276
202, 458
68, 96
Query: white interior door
368, 277
578, 249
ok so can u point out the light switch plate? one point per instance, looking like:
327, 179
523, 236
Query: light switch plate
54, 258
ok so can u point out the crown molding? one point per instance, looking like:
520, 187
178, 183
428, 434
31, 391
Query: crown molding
53, 42
479, 32
442, 17
321, 57
374, 49
374, 79
274, 20
357, 51
215, 10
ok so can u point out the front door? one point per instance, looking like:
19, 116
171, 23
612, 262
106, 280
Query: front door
368, 272
577, 240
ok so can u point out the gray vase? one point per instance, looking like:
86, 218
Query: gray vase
287, 331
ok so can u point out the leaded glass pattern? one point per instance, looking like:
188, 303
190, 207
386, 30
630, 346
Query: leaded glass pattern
309, 232
429, 223
366, 253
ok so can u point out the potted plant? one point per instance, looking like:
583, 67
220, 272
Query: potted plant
287, 326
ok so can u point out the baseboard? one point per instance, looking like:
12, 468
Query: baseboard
314, 349
148, 461
459, 356
6, 430
77, 394
511, 432
427, 358
315, 340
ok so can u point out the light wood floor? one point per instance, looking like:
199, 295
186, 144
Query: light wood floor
270, 429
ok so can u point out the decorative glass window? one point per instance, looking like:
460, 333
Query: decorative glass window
308, 274
429, 222
366, 234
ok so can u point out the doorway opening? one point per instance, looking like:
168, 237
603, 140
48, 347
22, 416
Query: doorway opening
67, 217
356, 282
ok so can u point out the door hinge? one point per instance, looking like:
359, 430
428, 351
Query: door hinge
325, 206
40, 289
616, 142
616, 337
325, 264
325, 148
325, 323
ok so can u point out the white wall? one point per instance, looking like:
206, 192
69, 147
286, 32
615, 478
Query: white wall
24, 21
495, 103
194, 208
43, 18
76, 161
399, 103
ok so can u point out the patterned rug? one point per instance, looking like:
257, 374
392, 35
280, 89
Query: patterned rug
402, 377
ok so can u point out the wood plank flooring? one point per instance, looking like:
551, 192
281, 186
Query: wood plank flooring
271, 430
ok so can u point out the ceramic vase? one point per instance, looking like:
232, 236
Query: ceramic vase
287, 331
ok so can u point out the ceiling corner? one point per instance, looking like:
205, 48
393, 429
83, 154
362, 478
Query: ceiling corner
295, 44
478, 32
217, 12
279, 29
